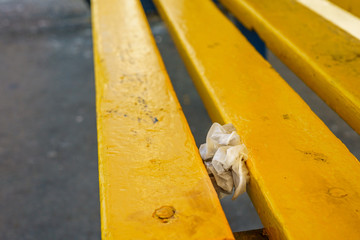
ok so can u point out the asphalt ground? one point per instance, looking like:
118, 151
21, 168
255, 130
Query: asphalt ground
48, 150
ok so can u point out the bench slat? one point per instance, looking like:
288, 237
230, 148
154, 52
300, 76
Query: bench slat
325, 57
148, 159
304, 182
352, 6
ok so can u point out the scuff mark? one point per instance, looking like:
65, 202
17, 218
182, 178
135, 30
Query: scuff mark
316, 156
155, 120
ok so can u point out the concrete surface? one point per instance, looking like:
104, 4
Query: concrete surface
48, 155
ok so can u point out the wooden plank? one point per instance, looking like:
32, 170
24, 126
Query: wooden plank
334, 14
304, 182
153, 184
324, 56
352, 6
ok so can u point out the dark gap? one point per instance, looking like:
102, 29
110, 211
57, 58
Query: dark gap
240, 213
189, 99
249, 34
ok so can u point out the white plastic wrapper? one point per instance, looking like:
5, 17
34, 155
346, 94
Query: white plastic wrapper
218, 136
224, 156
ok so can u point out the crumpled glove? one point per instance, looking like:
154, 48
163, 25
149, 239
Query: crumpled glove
224, 156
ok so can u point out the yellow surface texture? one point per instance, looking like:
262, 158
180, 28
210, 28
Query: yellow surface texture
352, 6
153, 184
304, 182
325, 57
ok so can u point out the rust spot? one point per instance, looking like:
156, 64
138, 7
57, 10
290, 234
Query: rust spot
164, 213
337, 192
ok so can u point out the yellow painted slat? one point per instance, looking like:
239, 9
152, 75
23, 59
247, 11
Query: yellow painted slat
304, 182
325, 57
352, 6
153, 184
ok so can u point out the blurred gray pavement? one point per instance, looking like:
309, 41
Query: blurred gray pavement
48, 149
48, 155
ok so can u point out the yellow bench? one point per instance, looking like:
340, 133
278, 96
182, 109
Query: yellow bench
304, 182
